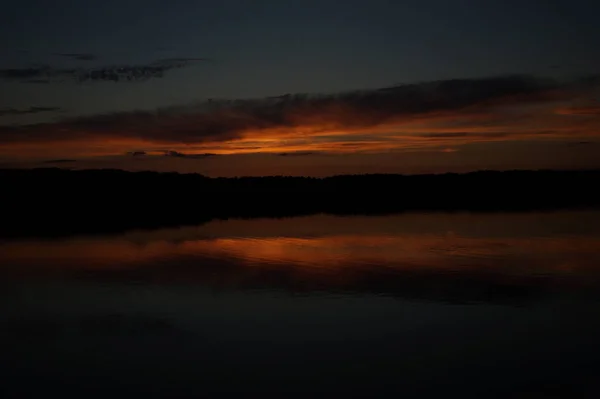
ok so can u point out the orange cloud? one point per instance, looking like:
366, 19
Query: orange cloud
590, 110
442, 114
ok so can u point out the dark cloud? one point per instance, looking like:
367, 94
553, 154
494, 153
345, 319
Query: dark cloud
580, 143
136, 153
454, 135
60, 161
174, 154
115, 73
589, 110
589, 80
27, 111
37, 81
357, 144
296, 153
446, 135
177, 154
180, 61
78, 56
303, 114
24, 73
246, 147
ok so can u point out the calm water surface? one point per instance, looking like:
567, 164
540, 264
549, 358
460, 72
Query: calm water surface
413, 305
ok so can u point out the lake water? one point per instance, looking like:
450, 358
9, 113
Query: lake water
411, 305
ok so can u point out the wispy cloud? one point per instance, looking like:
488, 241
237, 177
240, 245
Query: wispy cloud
580, 143
587, 110
55, 161
114, 73
78, 56
36, 81
27, 111
441, 114
177, 154
297, 153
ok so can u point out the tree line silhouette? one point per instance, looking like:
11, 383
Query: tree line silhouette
55, 201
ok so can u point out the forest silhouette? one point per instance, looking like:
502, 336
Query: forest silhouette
50, 202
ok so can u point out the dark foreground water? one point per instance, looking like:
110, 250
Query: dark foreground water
414, 305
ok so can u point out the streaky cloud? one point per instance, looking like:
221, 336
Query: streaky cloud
297, 153
580, 143
114, 73
78, 56
177, 154
454, 135
325, 122
37, 81
182, 61
588, 110
54, 161
27, 111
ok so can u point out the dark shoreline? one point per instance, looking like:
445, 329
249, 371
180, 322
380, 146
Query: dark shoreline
54, 202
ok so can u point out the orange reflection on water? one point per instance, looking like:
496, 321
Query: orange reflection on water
548, 255
513, 255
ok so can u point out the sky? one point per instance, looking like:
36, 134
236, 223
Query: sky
264, 87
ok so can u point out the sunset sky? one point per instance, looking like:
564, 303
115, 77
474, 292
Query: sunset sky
317, 88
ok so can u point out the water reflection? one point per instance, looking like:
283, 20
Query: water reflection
413, 305
453, 260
